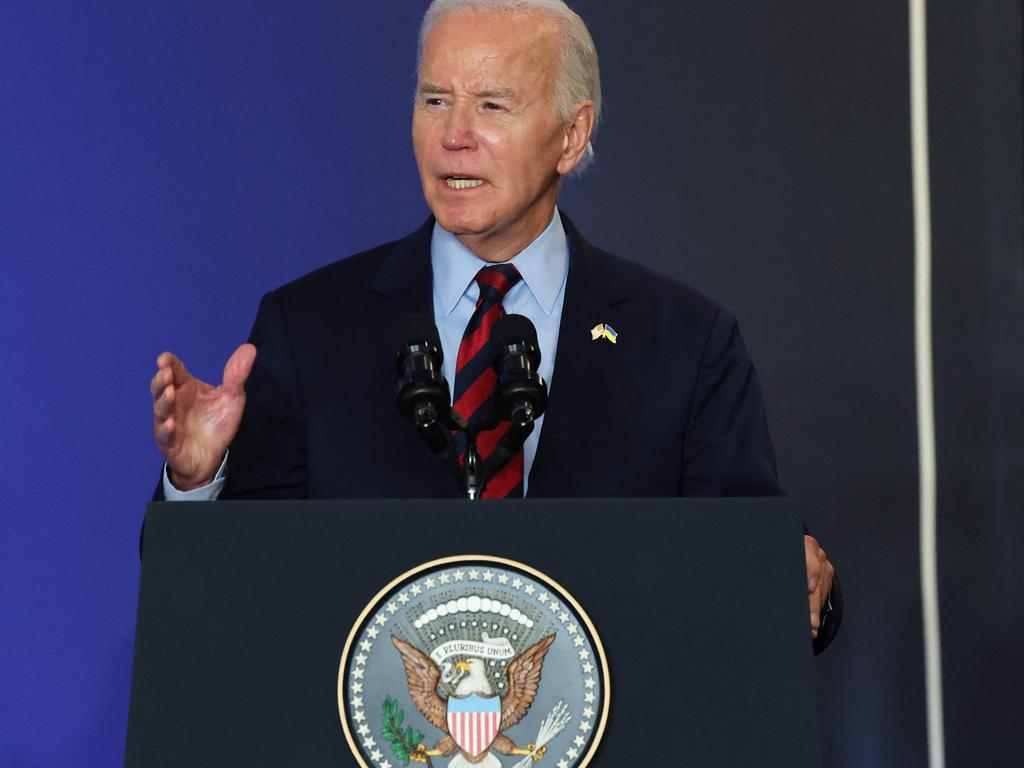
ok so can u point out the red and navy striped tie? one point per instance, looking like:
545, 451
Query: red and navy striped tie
474, 380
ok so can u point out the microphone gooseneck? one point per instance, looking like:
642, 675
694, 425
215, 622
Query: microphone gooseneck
520, 394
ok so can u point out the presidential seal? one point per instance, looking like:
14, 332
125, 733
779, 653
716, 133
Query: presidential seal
473, 662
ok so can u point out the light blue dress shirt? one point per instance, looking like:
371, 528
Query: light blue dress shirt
544, 265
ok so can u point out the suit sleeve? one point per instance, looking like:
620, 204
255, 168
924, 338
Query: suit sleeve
727, 450
267, 459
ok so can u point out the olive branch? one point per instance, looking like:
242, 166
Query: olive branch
404, 743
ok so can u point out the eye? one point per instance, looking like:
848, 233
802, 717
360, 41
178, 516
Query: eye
491, 106
434, 101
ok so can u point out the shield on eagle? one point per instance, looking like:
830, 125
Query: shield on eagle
473, 722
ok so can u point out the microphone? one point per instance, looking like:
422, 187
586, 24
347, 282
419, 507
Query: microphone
520, 394
422, 394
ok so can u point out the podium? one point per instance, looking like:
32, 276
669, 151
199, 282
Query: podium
251, 616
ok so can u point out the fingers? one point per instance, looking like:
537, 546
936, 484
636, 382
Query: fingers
170, 372
828, 573
163, 406
163, 410
815, 600
238, 368
819, 580
161, 387
163, 431
170, 362
160, 380
815, 557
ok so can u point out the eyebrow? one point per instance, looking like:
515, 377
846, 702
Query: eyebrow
495, 93
499, 93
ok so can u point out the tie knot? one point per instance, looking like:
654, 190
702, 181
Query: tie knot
497, 281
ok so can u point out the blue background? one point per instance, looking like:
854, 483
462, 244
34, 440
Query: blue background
162, 164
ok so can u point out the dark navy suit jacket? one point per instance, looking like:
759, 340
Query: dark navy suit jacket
673, 408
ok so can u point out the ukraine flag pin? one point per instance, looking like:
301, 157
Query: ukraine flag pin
603, 330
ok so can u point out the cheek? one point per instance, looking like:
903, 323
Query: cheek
424, 130
518, 158
496, 138
418, 141
535, 152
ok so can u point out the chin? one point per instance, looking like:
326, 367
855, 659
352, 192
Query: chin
458, 222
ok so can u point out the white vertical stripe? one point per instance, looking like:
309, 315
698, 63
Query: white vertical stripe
925, 380
474, 730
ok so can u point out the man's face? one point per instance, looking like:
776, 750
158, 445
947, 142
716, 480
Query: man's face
485, 133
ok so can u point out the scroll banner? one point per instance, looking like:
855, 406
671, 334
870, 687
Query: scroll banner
498, 648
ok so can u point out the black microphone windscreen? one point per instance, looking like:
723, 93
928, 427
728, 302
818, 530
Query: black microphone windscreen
511, 329
415, 328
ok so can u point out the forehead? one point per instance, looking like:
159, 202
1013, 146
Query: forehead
478, 48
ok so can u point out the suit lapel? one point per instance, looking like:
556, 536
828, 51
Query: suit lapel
405, 277
582, 367
404, 284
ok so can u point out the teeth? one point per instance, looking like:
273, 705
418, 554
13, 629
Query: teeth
463, 183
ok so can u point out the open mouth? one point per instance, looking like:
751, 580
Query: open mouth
462, 182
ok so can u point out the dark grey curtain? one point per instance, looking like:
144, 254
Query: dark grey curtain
762, 153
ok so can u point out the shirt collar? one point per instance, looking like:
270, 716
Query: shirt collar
543, 265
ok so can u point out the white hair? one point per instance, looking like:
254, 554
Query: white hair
578, 80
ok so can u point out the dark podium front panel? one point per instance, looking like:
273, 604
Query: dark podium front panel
700, 606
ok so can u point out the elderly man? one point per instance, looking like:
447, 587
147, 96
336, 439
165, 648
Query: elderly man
652, 391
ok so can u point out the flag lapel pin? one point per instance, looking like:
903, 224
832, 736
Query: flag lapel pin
604, 331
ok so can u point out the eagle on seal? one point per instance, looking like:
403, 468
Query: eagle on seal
473, 719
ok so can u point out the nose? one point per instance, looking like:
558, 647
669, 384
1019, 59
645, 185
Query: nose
458, 128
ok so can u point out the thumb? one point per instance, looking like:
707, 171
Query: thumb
237, 369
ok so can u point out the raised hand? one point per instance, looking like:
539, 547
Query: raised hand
195, 422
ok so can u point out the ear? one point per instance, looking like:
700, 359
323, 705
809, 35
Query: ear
577, 136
